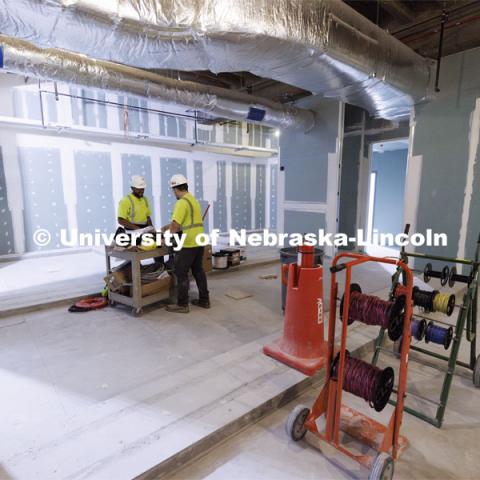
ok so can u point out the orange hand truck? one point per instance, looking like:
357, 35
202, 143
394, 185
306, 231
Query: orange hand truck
384, 439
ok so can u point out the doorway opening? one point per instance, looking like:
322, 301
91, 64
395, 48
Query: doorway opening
386, 194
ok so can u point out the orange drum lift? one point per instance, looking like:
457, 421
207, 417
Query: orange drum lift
385, 439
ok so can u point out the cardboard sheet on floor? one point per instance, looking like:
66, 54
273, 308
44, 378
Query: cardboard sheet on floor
268, 276
238, 294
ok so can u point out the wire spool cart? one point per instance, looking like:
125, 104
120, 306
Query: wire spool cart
362, 379
444, 333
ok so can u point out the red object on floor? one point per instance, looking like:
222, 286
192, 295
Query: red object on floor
302, 346
92, 303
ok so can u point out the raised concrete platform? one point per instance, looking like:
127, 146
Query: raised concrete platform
103, 395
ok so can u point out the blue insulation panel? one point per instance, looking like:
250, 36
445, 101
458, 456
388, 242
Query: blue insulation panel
241, 199
93, 175
44, 204
198, 190
133, 164
220, 205
168, 168
6, 226
260, 196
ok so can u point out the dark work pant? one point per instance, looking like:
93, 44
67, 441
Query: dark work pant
190, 259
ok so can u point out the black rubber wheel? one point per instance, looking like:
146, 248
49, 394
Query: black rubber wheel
383, 467
448, 338
383, 389
295, 425
426, 270
451, 305
395, 324
333, 368
451, 280
421, 328
476, 373
430, 325
112, 303
137, 312
445, 276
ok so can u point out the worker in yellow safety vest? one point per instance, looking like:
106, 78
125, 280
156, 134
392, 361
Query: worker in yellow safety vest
134, 209
134, 212
187, 218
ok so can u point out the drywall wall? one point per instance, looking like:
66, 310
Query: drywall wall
303, 222
260, 195
134, 164
304, 156
271, 199
6, 226
241, 199
43, 194
471, 234
390, 168
310, 163
95, 208
349, 184
72, 182
448, 145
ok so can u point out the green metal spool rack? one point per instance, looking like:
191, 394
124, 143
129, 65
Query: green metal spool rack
466, 320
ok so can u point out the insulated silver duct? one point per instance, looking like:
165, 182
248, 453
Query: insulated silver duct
322, 46
52, 64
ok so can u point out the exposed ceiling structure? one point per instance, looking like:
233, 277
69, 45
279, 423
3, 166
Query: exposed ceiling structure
417, 22
243, 81
414, 22
21, 57
323, 47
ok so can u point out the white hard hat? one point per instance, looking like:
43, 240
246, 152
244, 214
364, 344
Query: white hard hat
138, 182
177, 179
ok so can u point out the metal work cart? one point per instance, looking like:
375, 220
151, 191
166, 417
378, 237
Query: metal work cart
136, 301
466, 320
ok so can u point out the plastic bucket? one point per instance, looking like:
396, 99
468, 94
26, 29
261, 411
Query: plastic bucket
289, 255
220, 261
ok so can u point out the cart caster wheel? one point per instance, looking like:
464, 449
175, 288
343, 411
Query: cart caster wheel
137, 312
295, 423
112, 303
476, 373
383, 467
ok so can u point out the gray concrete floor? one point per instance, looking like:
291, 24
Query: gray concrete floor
264, 452
81, 387
103, 395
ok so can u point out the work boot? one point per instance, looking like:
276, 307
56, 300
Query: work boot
177, 308
201, 303
165, 302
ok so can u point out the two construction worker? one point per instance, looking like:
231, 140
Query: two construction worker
134, 212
